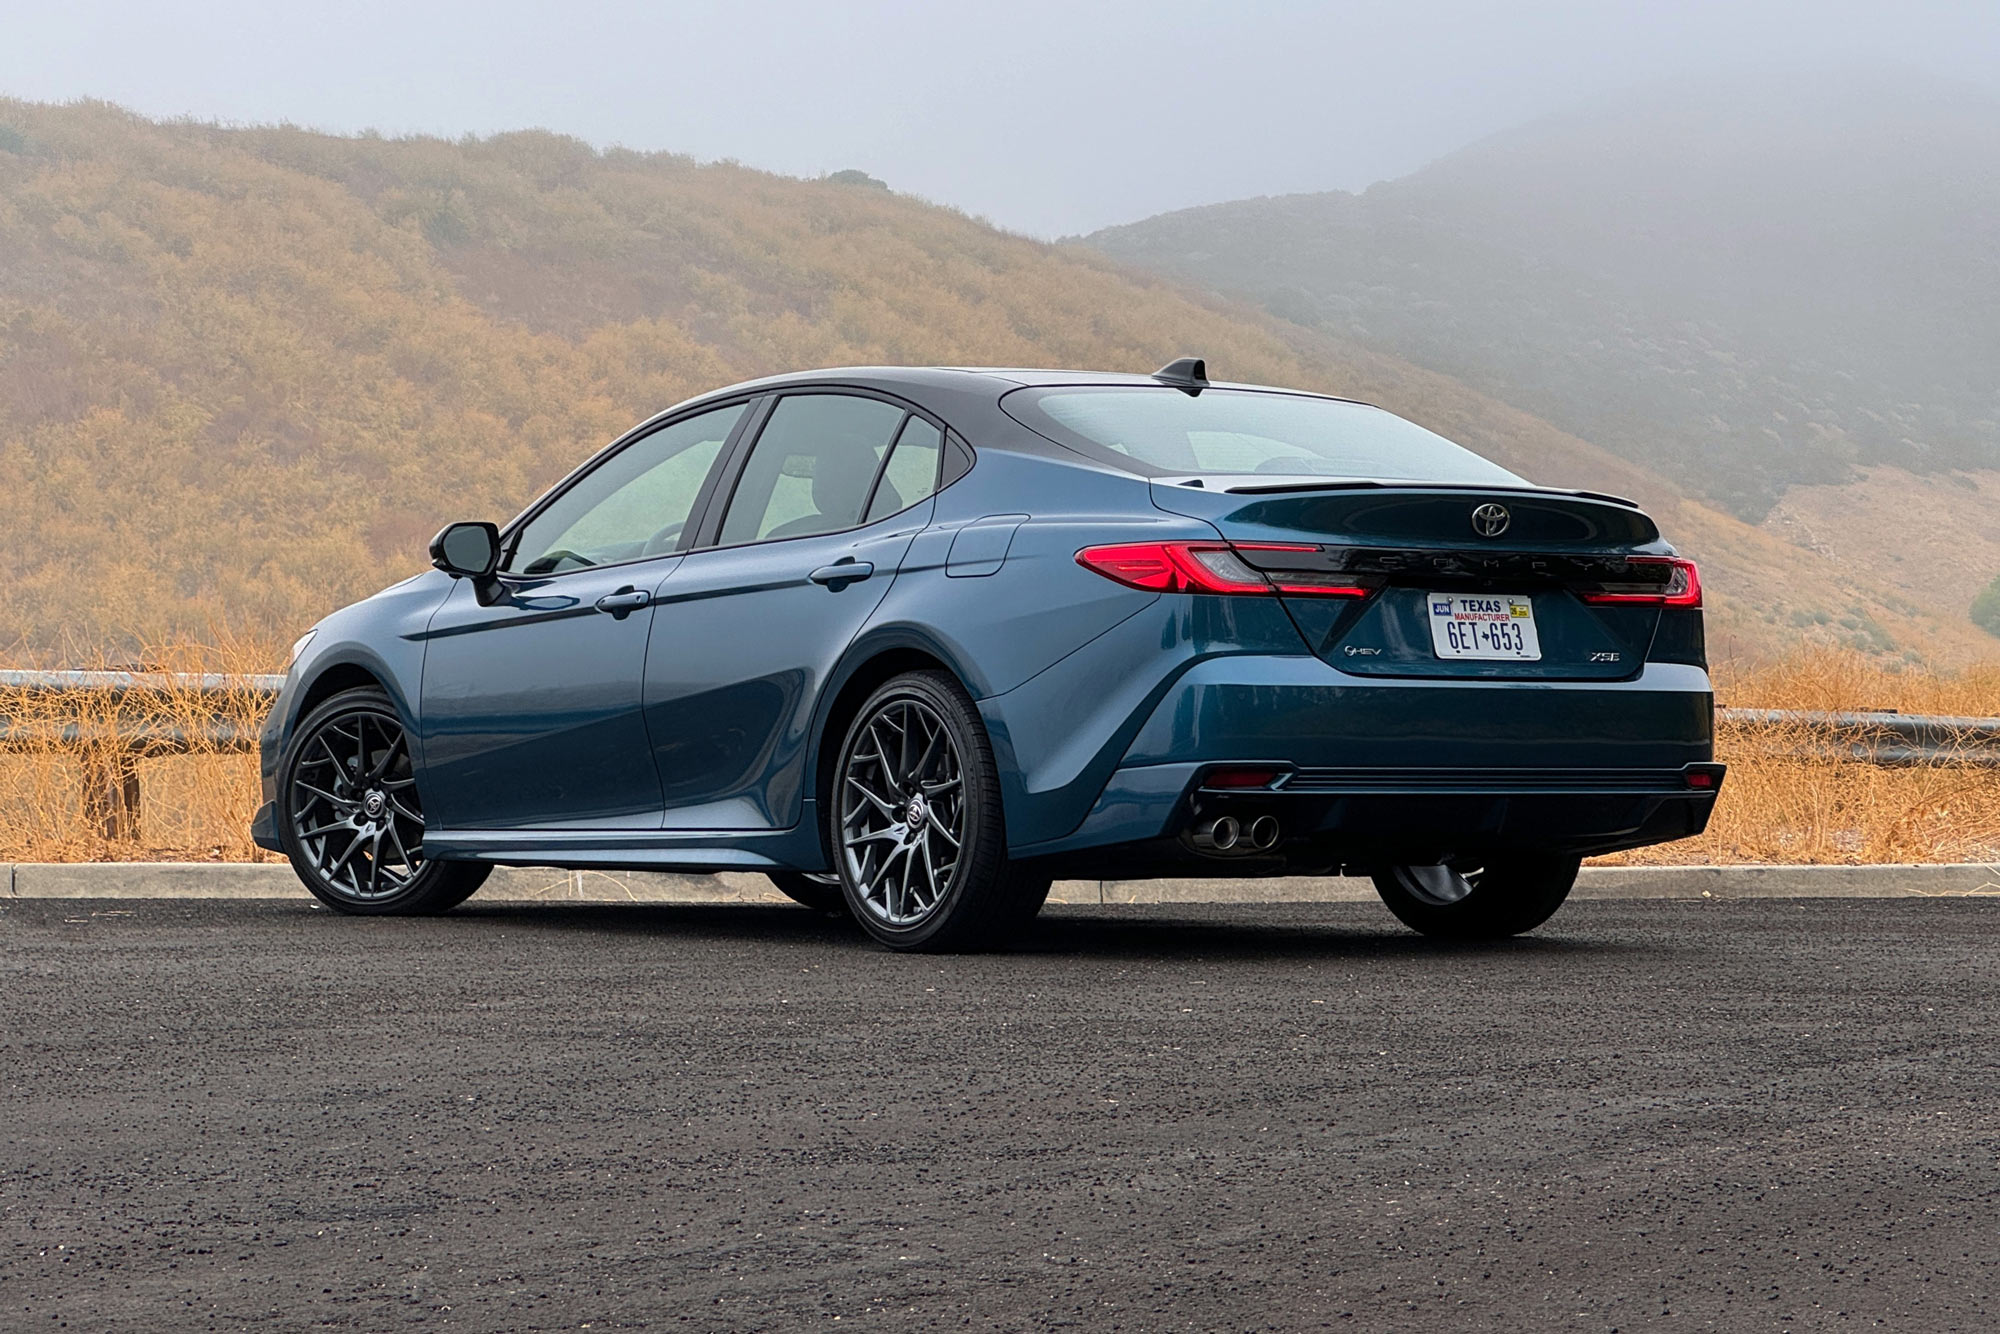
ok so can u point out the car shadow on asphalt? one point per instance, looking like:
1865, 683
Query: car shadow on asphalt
1153, 931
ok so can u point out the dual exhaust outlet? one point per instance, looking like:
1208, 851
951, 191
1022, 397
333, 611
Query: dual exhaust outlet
1227, 834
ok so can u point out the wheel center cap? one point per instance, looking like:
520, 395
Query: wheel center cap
374, 803
919, 811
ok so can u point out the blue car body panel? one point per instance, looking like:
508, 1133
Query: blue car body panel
699, 731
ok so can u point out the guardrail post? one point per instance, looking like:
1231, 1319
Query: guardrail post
111, 791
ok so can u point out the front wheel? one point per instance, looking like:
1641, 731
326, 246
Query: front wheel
916, 825
1478, 901
349, 817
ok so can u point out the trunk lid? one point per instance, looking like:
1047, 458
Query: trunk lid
1465, 580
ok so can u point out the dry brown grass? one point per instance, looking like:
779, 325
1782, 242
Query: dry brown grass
194, 806
1778, 805
1781, 803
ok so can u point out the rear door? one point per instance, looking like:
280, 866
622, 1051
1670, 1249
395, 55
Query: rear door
797, 554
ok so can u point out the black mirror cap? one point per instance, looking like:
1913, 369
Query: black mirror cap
467, 550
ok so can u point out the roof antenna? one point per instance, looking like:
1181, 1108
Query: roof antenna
1189, 374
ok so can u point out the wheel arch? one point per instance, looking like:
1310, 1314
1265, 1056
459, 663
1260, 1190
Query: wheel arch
339, 672
336, 678
865, 669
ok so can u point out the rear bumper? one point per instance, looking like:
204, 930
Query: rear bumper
1407, 769
1333, 818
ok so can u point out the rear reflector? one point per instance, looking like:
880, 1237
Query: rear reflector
1203, 567
1240, 778
1682, 588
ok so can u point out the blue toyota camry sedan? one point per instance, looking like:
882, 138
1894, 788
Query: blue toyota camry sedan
915, 642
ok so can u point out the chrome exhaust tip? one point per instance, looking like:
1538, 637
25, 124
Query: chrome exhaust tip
1263, 833
1218, 835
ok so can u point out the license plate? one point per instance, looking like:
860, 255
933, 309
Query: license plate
1465, 625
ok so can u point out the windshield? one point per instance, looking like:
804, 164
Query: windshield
1165, 431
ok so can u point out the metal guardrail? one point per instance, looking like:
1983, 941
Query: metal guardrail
109, 751
1891, 740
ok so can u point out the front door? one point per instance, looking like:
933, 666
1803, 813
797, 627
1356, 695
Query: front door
746, 632
531, 704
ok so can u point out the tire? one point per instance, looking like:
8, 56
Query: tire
1502, 897
380, 869
820, 893
916, 826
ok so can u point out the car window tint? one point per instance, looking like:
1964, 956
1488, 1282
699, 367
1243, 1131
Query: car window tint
633, 505
1160, 430
811, 468
912, 472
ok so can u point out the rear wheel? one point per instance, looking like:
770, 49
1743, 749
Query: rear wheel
350, 819
821, 893
917, 831
1478, 901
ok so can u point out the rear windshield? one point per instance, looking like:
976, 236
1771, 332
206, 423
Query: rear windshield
1160, 432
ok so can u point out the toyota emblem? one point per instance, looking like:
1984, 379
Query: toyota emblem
1491, 520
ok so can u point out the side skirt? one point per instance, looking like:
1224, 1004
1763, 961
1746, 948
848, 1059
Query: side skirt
795, 849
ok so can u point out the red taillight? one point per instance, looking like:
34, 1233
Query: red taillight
1175, 567
1682, 589
1204, 567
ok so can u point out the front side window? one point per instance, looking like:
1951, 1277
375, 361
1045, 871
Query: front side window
812, 469
1162, 431
633, 505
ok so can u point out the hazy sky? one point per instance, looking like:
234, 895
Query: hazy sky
1048, 118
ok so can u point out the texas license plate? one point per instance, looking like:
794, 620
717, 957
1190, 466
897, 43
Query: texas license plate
1465, 625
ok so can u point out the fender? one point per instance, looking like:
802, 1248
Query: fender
877, 641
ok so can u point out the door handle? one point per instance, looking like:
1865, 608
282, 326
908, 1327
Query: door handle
624, 602
842, 572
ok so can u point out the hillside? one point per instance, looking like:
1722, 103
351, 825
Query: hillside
245, 373
1744, 287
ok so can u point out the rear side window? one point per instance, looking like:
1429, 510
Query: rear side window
812, 468
912, 472
1162, 431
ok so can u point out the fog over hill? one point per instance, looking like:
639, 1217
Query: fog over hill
245, 373
1743, 285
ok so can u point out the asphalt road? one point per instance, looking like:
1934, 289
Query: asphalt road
1748, 1116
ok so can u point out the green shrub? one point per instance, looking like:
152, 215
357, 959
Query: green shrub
1985, 611
855, 176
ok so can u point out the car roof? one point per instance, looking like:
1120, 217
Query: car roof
1000, 378
967, 397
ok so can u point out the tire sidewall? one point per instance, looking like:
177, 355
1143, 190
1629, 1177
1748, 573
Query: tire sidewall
982, 829
1512, 895
428, 889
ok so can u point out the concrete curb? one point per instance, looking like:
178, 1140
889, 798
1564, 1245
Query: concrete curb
272, 880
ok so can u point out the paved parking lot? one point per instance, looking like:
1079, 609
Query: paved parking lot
1777, 1115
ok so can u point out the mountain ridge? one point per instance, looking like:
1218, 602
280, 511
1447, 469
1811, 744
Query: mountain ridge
246, 372
1746, 287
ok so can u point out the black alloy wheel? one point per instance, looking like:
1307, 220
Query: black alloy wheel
916, 825
350, 818
1464, 900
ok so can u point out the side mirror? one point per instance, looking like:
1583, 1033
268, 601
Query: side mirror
467, 550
